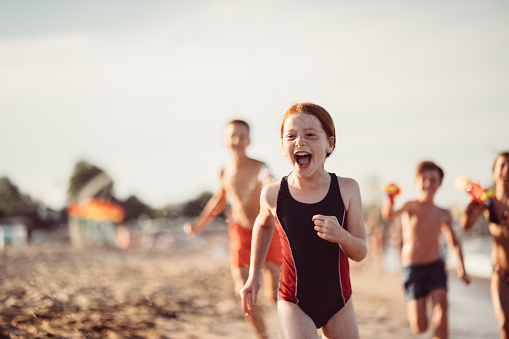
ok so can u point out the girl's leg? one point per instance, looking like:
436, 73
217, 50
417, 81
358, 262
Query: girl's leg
343, 324
500, 299
295, 324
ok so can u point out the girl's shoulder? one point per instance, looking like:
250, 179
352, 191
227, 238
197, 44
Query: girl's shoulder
347, 184
270, 192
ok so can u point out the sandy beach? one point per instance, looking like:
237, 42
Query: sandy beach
183, 290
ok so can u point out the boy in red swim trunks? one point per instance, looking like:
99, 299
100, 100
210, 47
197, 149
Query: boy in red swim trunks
424, 272
242, 180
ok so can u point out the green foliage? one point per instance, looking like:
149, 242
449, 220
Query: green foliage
82, 174
12, 201
134, 208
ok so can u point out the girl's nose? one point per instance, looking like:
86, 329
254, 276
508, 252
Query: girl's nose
300, 141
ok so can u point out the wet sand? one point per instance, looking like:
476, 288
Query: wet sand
183, 290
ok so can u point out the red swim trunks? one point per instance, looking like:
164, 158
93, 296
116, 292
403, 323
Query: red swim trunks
240, 246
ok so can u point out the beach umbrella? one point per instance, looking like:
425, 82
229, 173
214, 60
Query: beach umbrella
96, 209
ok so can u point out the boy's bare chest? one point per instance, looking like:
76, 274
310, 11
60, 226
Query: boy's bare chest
240, 180
424, 221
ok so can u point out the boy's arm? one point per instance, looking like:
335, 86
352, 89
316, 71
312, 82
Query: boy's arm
388, 212
455, 246
472, 213
263, 230
265, 176
214, 207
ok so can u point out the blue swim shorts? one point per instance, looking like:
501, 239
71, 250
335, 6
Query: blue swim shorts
420, 280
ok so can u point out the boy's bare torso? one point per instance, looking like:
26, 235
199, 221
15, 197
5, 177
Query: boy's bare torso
421, 225
240, 182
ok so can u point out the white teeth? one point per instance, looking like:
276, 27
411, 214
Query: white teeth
301, 154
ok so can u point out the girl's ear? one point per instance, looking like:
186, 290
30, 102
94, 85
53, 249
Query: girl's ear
330, 149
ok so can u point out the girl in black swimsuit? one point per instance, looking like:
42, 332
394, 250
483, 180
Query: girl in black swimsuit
319, 218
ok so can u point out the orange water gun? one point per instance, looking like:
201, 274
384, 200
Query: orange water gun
477, 192
391, 191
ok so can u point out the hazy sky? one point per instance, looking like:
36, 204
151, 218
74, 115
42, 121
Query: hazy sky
143, 89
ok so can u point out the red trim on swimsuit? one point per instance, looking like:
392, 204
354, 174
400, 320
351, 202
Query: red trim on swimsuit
288, 277
502, 274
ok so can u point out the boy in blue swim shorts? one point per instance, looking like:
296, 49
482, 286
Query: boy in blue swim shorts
424, 273
421, 280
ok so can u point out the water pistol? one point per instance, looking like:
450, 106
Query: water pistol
391, 191
477, 192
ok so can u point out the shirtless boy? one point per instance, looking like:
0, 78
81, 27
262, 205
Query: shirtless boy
497, 212
242, 180
424, 270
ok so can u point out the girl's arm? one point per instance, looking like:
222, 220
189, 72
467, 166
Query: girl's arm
473, 212
351, 237
263, 230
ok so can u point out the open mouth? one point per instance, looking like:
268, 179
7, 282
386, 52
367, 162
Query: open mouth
303, 158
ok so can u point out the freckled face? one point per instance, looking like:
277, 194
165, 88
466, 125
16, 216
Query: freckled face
429, 181
236, 137
305, 143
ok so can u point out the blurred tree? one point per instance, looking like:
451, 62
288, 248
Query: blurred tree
134, 207
87, 181
12, 201
169, 211
17, 207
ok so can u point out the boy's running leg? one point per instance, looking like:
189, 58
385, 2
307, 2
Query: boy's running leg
294, 323
416, 313
271, 280
240, 276
439, 317
343, 325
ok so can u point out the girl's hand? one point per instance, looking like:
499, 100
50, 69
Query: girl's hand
328, 228
249, 294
